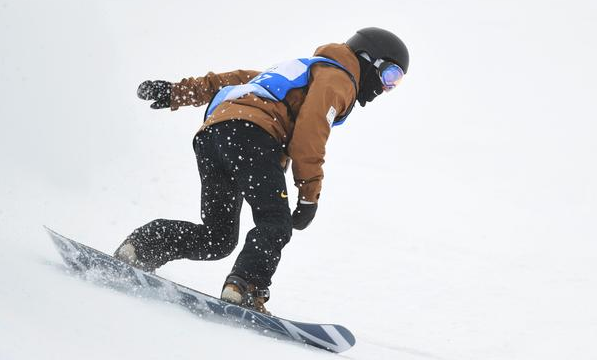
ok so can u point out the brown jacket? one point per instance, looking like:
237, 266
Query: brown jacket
304, 136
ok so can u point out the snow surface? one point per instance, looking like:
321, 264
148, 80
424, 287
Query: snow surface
458, 216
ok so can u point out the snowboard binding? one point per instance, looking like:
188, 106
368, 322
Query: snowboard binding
238, 291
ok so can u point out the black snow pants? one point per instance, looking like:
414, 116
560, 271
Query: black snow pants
237, 160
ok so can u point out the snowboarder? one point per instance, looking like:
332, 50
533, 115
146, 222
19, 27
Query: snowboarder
254, 124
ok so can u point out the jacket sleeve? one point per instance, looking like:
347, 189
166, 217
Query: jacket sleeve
199, 91
329, 95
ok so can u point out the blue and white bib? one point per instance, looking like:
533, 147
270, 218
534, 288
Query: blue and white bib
274, 83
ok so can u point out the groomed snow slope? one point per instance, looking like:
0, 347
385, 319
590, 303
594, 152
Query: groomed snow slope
458, 216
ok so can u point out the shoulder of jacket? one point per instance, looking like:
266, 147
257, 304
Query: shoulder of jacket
327, 71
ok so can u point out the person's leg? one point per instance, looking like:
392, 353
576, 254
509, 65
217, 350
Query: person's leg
160, 241
253, 158
259, 258
221, 202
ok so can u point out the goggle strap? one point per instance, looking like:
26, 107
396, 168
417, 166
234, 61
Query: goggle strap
376, 63
365, 56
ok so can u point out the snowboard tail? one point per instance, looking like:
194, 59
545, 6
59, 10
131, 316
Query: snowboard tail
114, 273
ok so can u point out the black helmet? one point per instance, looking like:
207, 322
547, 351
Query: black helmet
380, 44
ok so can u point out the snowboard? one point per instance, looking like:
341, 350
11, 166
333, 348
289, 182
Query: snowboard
108, 271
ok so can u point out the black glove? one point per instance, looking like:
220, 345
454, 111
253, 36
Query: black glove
303, 215
158, 90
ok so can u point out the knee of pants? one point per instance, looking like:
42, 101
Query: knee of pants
222, 247
214, 243
225, 237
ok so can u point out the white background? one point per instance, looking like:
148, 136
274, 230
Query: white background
457, 219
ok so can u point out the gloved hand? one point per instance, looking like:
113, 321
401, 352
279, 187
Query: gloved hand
158, 90
303, 214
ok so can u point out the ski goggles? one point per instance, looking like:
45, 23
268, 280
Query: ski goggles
390, 74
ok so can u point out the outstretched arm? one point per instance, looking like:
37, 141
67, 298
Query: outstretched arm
199, 91
190, 91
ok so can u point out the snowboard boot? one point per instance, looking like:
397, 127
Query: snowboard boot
135, 254
239, 292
